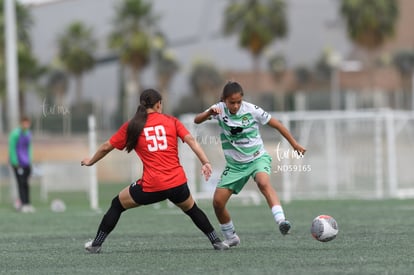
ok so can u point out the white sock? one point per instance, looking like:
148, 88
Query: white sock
278, 214
228, 230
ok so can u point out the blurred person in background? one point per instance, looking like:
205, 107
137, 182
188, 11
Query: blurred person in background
20, 154
154, 137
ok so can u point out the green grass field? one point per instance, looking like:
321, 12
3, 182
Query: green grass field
375, 237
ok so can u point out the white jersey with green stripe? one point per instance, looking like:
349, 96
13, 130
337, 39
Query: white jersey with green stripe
240, 134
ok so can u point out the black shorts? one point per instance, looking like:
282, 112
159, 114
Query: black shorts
175, 195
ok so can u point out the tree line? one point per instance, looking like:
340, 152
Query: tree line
136, 41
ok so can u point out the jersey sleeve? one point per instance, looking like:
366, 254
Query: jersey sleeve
181, 130
261, 115
13, 138
118, 140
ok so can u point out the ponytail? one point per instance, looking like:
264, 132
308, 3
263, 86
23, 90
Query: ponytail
135, 126
148, 99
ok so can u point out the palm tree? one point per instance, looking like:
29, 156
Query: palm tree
57, 84
277, 66
24, 21
29, 72
206, 80
76, 48
257, 22
29, 69
404, 62
166, 66
303, 76
323, 67
369, 22
131, 39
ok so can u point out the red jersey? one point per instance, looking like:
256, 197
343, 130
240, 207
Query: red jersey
157, 147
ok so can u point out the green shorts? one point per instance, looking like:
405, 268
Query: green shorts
236, 175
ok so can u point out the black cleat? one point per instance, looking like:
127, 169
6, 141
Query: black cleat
284, 227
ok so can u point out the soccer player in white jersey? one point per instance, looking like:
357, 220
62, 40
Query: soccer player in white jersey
245, 155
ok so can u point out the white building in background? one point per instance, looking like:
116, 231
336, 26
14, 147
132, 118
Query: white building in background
193, 28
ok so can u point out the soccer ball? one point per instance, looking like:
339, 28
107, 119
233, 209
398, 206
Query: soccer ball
57, 205
324, 228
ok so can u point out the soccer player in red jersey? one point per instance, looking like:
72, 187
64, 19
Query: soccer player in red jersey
153, 136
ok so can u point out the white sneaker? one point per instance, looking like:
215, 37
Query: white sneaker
220, 246
233, 241
31, 209
27, 208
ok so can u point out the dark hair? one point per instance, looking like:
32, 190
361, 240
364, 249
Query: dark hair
230, 89
148, 99
24, 118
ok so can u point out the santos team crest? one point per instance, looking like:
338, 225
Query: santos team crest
245, 121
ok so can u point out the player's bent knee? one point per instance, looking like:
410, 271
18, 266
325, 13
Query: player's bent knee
116, 204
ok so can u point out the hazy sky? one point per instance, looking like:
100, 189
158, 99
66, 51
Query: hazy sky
193, 28
197, 20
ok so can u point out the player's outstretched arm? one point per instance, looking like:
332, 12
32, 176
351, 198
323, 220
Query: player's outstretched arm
201, 117
102, 151
274, 123
195, 146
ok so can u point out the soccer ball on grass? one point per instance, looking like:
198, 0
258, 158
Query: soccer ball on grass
324, 228
57, 206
